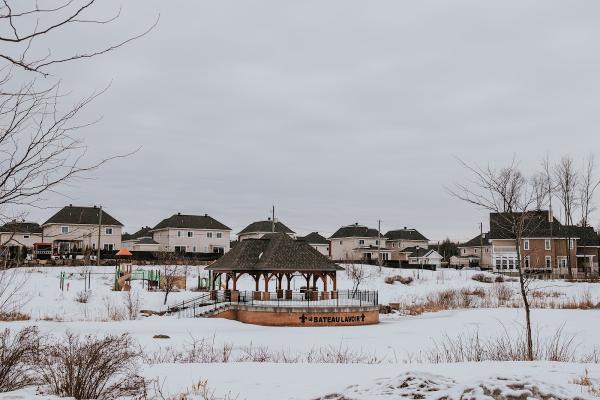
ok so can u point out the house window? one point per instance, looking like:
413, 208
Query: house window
180, 249
64, 229
504, 263
548, 244
476, 251
562, 262
340, 242
93, 246
190, 234
178, 233
526, 244
109, 246
548, 262
498, 263
108, 231
571, 244
511, 263
219, 235
209, 235
194, 249
487, 250
25, 236
527, 262
464, 251
361, 242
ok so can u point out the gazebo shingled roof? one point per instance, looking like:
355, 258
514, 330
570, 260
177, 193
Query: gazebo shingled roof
274, 252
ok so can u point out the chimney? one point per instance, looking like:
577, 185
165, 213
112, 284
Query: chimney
206, 215
405, 228
550, 216
178, 213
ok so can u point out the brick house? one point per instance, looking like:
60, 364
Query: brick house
547, 245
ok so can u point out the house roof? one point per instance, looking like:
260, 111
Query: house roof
587, 236
144, 232
146, 240
191, 222
82, 216
405, 234
21, 227
536, 225
476, 241
417, 252
355, 230
273, 252
265, 226
314, 238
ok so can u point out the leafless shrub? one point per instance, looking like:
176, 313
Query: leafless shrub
503, 293
390, 280
199, 390
505, 347
14, 316
202, 350
499, 279
585, 382
131, 301
483, 278
91, 368
113, 311
82, 297
17, 351
12, 293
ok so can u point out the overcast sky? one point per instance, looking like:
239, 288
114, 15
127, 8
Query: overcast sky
334, 111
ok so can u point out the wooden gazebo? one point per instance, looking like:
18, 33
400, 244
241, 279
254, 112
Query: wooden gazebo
275, 255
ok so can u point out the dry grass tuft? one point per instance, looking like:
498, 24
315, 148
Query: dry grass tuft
14, 316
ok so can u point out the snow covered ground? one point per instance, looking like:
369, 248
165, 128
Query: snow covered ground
398, 343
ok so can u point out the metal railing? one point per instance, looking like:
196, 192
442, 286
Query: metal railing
213, 300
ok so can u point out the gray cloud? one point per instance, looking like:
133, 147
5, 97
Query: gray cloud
334, 111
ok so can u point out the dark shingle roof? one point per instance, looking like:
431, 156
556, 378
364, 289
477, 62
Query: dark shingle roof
273, 252
587, 236
21, 227
191, 222
355, 231
476, 241
536, 225
314, 238
144, 232
82, 216
414, 252
405, 234
266, 226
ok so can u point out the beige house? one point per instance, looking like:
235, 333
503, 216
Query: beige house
317, 242
141, 240
78, 229
258, 229
424, 256
476, 252
358, 243
20, 234
400, 239
192, 234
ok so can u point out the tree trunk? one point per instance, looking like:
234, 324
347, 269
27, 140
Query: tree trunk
525, 302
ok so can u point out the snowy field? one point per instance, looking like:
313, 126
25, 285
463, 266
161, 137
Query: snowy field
385, 354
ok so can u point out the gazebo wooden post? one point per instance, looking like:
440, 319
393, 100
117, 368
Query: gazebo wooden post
334, 293
266, 295
235, 295
288, 292
279, 288
256, 293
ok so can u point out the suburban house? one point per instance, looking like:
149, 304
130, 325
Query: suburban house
400, 239
358, 242
76, 229
424, 256
588, 249
475, 252
20, 234
546, 246
141, 240
258, 229
317, 242
182, 233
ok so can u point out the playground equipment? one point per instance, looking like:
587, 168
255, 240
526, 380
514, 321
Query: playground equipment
123, 277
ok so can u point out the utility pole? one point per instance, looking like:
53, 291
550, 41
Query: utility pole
99, 233
273, 220
379, 243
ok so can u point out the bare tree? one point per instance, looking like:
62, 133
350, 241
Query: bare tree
506, 193
541, 190
358, 273
17, 352
566, 184
38, 142
13, 296
587, 187
172, 276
